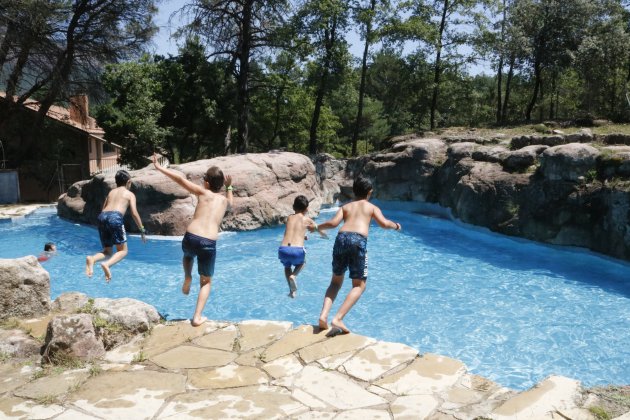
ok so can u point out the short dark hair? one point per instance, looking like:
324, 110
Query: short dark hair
214, 177
122, 177
361, 187
49, 246
300, 203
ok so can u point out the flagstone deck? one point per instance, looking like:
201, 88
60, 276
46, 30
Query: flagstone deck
263, 369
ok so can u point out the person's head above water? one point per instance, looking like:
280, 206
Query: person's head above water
214, 178
361, 187
300, 204
50, 247
122, 177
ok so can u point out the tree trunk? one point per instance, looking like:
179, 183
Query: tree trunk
552, 103
357, 125
508, 87
532, 102
5, 46
242, 106
500, 67
13, 79
323, 85
499, 88
438, 69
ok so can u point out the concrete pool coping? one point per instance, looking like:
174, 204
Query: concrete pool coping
269, 369
9, 212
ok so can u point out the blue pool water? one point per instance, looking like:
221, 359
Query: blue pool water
511, 310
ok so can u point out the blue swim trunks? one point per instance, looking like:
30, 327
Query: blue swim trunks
111, 228
350, 251
291, 255
204, 249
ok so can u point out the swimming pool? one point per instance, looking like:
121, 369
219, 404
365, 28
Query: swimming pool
512, 310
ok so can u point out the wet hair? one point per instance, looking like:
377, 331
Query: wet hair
214, 177
48, 246
122, 177
361, 187
300, 203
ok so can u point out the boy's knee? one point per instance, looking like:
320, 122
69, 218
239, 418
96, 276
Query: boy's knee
203, 280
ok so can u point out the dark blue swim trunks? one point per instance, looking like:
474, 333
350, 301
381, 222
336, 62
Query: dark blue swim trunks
204, 249
291, 255
350, 251
111, 228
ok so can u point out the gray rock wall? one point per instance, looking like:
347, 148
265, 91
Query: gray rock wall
24, 288
265, 186
574, 194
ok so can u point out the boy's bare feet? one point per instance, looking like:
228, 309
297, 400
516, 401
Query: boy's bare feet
292, 294
323, 324
197, 322
337, 323
186, 285
89, 266
108, 274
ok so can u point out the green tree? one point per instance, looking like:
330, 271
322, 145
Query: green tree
321, 25
239, 30
198, 103
131, 117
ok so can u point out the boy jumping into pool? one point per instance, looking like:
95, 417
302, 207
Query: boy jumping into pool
291, 252
203, 231
350, 251
111, 225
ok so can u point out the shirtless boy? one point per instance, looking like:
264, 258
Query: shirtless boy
350, 251
111, 225
203, 231
291, 252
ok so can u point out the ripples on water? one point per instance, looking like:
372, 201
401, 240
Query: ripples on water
511, 310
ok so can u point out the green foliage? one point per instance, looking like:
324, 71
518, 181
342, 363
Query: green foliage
131, 117
599, 413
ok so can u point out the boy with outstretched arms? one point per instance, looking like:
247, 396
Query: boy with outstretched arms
203, 231
350, 251
111, 225
291, 252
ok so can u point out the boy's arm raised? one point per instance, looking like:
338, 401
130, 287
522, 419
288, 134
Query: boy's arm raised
377, 214
179, 178
334, 222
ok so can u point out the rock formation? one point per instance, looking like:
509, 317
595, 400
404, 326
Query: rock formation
265, 186
546, 189
24, 288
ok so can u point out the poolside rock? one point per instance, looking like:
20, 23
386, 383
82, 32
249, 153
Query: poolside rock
72, 337
24, 288
69, 302
133, 315
17, 343
568, 162
265, 186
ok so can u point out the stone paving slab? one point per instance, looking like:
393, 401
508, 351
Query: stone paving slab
12, 211
263, 370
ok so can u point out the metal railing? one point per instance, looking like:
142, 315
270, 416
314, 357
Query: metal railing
110, 165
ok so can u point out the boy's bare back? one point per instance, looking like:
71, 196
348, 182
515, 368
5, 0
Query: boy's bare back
296, 229
208, 215
357, 216
118, 199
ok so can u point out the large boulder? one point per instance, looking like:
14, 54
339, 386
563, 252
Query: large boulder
133, 315
24, 288
70, 302
265, 186
72, 337
568, 162
17, 343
